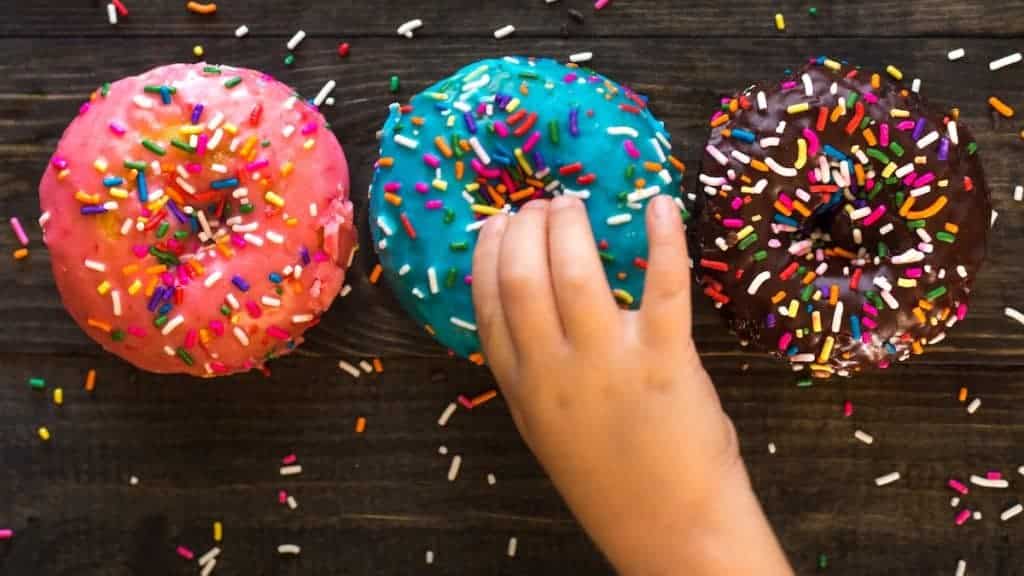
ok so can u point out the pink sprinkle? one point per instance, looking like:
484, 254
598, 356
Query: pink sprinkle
289, 460
961, 311
468, 280
869, 309
812, 142
909, 178
884, 363
718, 113
465, 402
422, 187
788, 85
431, 160
434, 204
847, 409
962, 517
183, 275
507, 181
531, 141
309, 129
924, 179
238, 241
19, 231
481, 109
191, 338
870, 98
136, 331
736, 203
282, 496
254, 166
479, 168
784, 340
117, 128
883, 135
218, 367
140, 251
958, 486
194, 168
253, 309
905, 126
871, 324
913, 272
601, 4
570, 78
278, 333
501, 128
320, 256
631, 149
217, 327
393, 187
185, 553
786, 200
877, 213
812, 177
6, 534
201, 145
84, 108
994, 475
59, 163
733, 223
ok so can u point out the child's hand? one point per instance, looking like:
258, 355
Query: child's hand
616, 404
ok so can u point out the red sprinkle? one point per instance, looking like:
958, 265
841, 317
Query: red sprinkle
343, 49
409, 229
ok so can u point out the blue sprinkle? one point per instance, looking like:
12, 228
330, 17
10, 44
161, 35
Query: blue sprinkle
786, 220
143, 190
167, 307
833, 153
225, 183
538, 161
165, 95
240, 283
855, 327
275, 277
890, 348
743, 135
792, 350
111, 181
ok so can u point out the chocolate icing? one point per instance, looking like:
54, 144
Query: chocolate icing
760, 196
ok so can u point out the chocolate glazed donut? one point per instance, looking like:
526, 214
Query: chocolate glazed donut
841, 223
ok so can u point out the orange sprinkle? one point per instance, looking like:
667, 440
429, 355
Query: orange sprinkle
286, 168
21, 254
477, 358
801, 208
522, 194
962, 396
833, 294
869, 137
779, 297
677, 163
90, 381
483, 398
360, 425
876, 81
758, 165
87, 198
859, 171
928, 212
916, 347
460, 170
925, 305
952, 228
429, 329
386, 162
375, 274
919, 314
443, 147
201, 8
393, 199
158, 269
808, 278
734, 105
94, 323
378, 366
1002, 107
719, 120
417, 120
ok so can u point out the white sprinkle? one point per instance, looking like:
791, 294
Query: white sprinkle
760, 279
623, 131
992, 222
383, 225
212, 279
504, 31
345, 290
174, 323
491, 480
974, 405
270, 302
864, 437
580, 57
275, 237
288, 550
134, 480
404, 270
324, 92
928, 139
208, 568
296, 40
366, 366
762, 101
292, 502
1011, 512
956, 54
837, 317
115, 301
954, 501
209, 556
989, 483
644, 194
771, 448
909, 257
447, 414
1014, 314
808, 85
619, 219
302, 318
952, 132
232, 301
453, 470
241, 31
95, 266
352, 370
409, 27
143, 101
287, 131
406, 142
513, 544
1004, 61
717, 154
442, 450
432, 280
252, 239
1018, 193
784, 171
294, 470
976, 515
112, 14
430, 557
463, 324
961, 568
915, 86
887, 479
241, 336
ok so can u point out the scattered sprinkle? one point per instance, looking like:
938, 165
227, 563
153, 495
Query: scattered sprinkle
513, 545
293, 470
295, 40
989, 482
447, 414
956, 54
1005, 61
974, 405
887, 479
352, 370
504, 31
198, 8
780, 22
453, 469
1011, 512
242, 31
864, 437
288, 550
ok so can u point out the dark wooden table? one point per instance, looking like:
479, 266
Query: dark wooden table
375, 503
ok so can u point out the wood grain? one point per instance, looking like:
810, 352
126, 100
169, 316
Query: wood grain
373, 504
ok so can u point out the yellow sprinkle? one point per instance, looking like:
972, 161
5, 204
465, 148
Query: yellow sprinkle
274, 199
899, 113
512, 105
523, 162
198, 51
308, 145
58, 396
135, 287
472, 187
801, 154
286, 168
623, 296
794, 307
780, 22
816, 321
439, 96
44, 434
441, 185
832, 64
103, 288
218, 531
63, 174
100, 165
826, 350
906, 282
485, 210
889, 169
119, 193
798, 108
894, 72
192, 129
746, 231
250, 142
230, 128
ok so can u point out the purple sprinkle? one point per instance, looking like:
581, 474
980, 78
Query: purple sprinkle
943, 149
304, 254
197, 113
117, 128
84, 108
178, 214
919, 129
770, 321
538, 161
155, 299
240, 283
93, 210
470, 123
574, 122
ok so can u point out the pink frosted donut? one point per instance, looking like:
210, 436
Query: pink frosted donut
198, 218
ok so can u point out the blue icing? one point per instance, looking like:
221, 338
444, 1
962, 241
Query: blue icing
592, 119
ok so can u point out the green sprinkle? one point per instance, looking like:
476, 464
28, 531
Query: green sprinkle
246, 208
182, 146
813, 11
394, 84
117, 335
865, 122
161, 231
915, 224
946, 237
606, 257
37, 383
289, 60
232, 82
972, 147
896, 149
807, 292
875, 299
458, 246
528, 74
163, 257
874, 191
160, 321
158, 89
451, 277
185, 356
760, 255
224, 310
211, 69
265, 144
449, 216
630, 171
804, 383
748, 242
851, 99
883, 249
105, 89
134, 165
154, 147
180, 234
935, 293
822, 561
878, 155
899, 196
455, 146
554, 132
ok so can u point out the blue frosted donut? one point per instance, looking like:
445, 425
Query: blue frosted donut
489, 139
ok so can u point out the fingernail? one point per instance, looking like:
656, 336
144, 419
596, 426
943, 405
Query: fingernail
663, 207
536, 205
